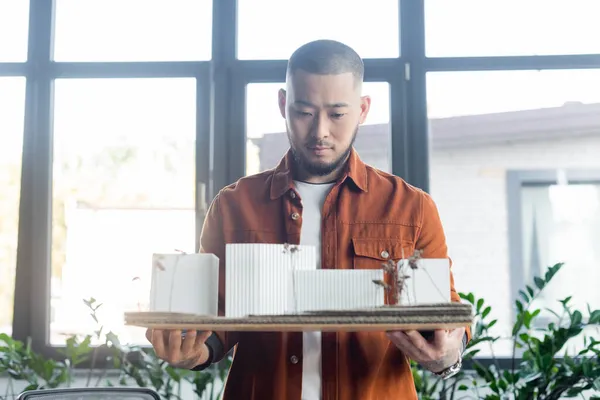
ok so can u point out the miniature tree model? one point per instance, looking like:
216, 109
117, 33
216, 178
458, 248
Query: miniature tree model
398, 273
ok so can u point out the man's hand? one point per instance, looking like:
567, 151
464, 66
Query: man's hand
435, 355
180, 352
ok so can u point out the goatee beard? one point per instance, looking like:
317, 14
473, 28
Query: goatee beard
320, 169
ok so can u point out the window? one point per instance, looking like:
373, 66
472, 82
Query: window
555, 215
272, 29
14, 17
561, 222
482, 125
470, 28
133, 30
12, 109
267, 140
123, 182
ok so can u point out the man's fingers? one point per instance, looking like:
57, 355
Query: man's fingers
417, 339
202, 337
457, 333
413, 342
402, 341
158, 342
440, 338
188, 346
174, 346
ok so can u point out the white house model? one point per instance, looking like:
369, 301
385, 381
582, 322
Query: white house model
185, 283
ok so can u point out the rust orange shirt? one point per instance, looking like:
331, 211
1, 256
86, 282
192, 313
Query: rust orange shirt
367, 213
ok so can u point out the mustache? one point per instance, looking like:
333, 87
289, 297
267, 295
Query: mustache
318, 143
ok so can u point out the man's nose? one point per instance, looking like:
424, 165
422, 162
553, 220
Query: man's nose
320, 128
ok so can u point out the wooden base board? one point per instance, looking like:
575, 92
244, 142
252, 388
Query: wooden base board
445, 316
352, 327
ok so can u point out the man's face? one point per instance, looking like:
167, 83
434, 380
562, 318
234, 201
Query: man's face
322, 115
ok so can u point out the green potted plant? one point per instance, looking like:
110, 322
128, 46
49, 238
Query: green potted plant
134, 364
543, 370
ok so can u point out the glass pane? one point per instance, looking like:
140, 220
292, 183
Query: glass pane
556, 219
471, 28
267, 140
372, 31
484, 125
124, 173
12, 110
14, 23
140, 30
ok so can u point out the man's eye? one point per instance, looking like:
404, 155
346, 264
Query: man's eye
303, 113
337, 115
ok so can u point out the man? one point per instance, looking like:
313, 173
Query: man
322, 194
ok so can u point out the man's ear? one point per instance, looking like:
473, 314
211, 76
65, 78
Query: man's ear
282, 97
365, 106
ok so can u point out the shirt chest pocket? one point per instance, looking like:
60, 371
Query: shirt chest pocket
372, 253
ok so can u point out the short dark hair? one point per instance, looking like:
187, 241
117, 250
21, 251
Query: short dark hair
326, 57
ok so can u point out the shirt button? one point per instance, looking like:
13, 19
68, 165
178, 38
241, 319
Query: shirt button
385, 254
292, 194
295, 216
294, 360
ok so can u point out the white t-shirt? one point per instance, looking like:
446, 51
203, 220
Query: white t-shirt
313, 196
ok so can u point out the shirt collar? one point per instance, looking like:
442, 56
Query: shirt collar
282, 181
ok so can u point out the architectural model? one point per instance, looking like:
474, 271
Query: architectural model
277, 287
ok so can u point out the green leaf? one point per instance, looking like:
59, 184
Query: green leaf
173, 374
471, 298
492, 323
576, 318
530, 291
483, 372
463, 387
502, 385
418, 380
494, 387
596, 384
479, 304
518, 325
486, 312
471, 354
587, 368
573, 392
566, 301
539, 282
524, 296
524, 337
529, 378
33, 386
546, 362
527, 319
519, 306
